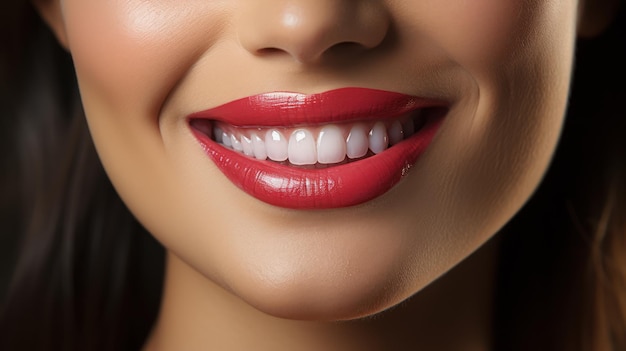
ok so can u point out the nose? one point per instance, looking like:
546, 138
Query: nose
310, 30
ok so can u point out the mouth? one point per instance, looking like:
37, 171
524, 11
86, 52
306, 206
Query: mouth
335, 149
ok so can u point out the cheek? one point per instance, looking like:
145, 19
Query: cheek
500, 136
133, 52
491, 29
129, 55
519, 54
481, 33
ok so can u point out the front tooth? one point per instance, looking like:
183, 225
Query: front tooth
357, 143
236, 143
301, 149
331, 146
226, 139
395, 133
276, 145
378, 139
247, 146
259, 147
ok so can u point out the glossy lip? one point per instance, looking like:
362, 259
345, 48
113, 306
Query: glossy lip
333, 187
287, 109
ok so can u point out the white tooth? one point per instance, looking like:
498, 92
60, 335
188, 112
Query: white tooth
378, 138
236, 143
331, 146
396, 134
217, 134
226, 139
258, 147
301, 148
246, 143
276, 145
409, 128
357, 143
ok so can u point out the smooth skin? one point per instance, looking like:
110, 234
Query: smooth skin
245, 275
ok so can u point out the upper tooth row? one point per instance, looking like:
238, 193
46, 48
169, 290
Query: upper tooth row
330, 146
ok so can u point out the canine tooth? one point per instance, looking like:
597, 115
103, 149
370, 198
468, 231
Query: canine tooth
331, 146
378, 139
396, 134
357, 143
276, 145
258, 146
246, 143
226, 140
301, 149
236, 143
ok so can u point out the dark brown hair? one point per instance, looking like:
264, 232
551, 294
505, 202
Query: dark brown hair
79, 273
562, 271
84, 274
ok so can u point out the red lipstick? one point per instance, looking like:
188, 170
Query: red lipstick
336, 186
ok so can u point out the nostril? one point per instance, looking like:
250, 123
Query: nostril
347, 47
336, 50
270, 51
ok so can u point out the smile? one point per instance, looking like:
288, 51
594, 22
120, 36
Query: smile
329, 150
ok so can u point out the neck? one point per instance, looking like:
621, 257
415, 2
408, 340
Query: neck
453, 313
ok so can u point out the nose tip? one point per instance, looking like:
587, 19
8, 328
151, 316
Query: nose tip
308, 30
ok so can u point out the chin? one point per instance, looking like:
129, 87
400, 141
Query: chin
337, 278
310, 299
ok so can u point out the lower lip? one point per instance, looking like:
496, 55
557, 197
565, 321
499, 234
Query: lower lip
333, 187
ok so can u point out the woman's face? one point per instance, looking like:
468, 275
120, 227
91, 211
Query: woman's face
500, 70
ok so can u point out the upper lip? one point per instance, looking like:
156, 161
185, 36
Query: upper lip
293, 109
